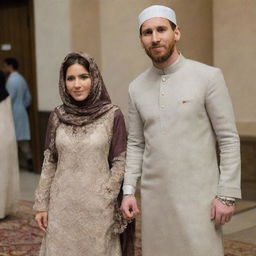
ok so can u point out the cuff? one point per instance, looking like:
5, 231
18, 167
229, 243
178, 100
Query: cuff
128, 190
229, 192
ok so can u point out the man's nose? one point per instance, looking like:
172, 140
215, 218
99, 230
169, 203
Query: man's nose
155, 37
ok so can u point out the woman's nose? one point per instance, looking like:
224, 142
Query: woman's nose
77, 82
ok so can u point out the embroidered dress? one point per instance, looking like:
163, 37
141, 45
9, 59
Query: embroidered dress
82, 174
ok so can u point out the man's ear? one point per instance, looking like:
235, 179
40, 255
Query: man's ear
141, 44
177, 34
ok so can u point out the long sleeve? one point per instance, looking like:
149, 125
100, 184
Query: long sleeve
135, 148
117, 154
27, 97
10, 87
220, 111
42, 194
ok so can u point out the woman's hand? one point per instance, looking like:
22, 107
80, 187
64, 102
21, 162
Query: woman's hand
129, 207
42, 220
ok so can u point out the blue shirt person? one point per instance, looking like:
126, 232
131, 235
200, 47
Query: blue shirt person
18, 90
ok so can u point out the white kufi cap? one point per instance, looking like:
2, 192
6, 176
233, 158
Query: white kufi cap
155, 11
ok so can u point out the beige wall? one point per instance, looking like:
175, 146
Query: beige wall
85, 27
52, 37
107, 29
235, 51
121, 54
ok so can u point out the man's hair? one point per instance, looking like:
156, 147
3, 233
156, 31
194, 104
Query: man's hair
12, 62
173, 26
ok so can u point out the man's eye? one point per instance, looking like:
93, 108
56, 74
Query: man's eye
161, 29
147, 32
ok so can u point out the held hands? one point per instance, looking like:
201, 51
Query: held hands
221, 213
42, 220
129, 207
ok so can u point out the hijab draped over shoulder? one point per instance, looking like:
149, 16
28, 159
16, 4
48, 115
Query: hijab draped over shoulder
95, 105
76, 113
81, 113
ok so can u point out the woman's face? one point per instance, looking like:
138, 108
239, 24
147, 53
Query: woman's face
78, 82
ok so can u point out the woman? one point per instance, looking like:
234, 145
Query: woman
9, 171
76, 200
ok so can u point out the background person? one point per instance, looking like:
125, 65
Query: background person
21, 100
9, 170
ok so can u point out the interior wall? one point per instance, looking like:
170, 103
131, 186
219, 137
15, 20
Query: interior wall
108, 30
52, 40
121, 54
235, 51
85, 27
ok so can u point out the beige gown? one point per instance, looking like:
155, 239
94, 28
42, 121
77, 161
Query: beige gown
79, 191
9, 170
176, 116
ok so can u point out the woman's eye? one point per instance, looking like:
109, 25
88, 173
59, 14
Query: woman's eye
84, 77
70, 78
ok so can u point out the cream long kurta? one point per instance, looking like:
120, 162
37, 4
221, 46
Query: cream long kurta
79, 191
175, 117
9, 169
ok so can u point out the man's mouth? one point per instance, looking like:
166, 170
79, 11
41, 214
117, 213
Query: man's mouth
157, 47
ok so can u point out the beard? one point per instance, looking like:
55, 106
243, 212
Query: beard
162, 58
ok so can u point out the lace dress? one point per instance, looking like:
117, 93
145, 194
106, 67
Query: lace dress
79, 189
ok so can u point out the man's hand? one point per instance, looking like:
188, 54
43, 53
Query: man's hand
42, 220
129, 207
221, 213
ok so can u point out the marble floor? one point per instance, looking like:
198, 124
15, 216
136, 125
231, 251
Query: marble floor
241, 228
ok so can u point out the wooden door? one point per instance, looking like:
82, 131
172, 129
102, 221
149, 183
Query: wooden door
17, 40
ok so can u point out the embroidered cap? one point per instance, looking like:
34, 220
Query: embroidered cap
155, 11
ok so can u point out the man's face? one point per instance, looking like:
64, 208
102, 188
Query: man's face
158, 39
6, 68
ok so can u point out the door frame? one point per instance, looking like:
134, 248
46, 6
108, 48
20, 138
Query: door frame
33, 112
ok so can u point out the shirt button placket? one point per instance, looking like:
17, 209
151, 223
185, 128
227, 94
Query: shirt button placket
162, 92
162, 100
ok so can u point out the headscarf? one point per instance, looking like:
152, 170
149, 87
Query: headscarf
95, 105
74, 112
81, 113
3, 92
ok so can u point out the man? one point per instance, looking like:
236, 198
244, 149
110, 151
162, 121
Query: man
21, 99
178, 109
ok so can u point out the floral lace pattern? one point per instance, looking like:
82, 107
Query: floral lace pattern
80, 190
42, 193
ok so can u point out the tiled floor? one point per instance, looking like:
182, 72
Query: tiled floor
241, 228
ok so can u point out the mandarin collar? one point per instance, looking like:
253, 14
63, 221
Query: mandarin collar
172, 68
